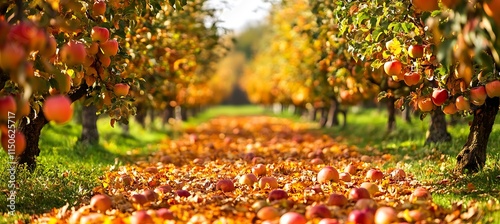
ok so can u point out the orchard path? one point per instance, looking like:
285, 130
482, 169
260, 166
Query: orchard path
226, 148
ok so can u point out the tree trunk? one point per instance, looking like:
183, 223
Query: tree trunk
437, 130
324, 117
313, 114
184, 114
168, 113
333, 113
391, 122
141, 115
407, 115
473, 154
31, 131
90, 134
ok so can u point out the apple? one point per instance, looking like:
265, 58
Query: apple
417, 216
371, 187
351, 169
110, 47
491, 9
462, 103
164, 214
328, 174
7, 105
126, 179
416, 51
366, 204
439, 96
99, 34
358, 193
75, 218
450, 109
163, 189
141, 217
328, 221
25, 34
399, 174
493, 88
151, 195
259, 170
58, 109
317, 161
360, 217
420, 194
393, 68
268, 213
92, 218
337, 199
225, 185
151, 169
385, 215
425, 104
268, 181
374, 175
478, 95
425, 5
182, 193
50, 48
412, 78
277, 194
139, 199
73, 53
248, 179
292, 218
99, 8
100, 203
11, 56
318, 211
346, 177
19, 142
121, 89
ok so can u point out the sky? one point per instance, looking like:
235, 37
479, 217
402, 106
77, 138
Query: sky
236, 14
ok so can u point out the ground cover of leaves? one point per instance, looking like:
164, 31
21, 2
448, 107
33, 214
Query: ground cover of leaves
212, 174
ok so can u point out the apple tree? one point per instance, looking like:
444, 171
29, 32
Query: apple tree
53, 53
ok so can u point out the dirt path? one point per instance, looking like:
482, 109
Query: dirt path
181, 182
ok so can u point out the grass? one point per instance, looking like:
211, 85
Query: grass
432, 164
67, 171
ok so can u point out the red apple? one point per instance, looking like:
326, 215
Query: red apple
268, 213
151, 195
110, 47
412, 78
58, 108
268, 181
439, 96
151, 169
11, 56
248, 179
73, 53
374, 175
371, 187
99, 8
493, 88
425, 104
462, 103
478, 95
358, 193
385, 215
139, 199
50, 48
259, 170
182, 193
420, 194
360, 217
328, 221
399, 174
125, 179
317, 161
225, 185
165, 214
450, 109
346, 177
101, 203
8, 106
416, 51
393, 68
277, 194
351, 169
99, 34
141, 217
163, 189
328, 174
318, 211
105, 60
292, 218
121, 89
337, 200
18, 142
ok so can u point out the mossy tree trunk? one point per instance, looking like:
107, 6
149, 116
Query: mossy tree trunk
472, 158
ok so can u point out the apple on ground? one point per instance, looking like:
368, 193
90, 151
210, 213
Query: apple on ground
337, 199
328, 174
374, 175
360, 217
272, 182
385, 215
225, 185
292, 218
268, 213
318, 211
101, 203
358, 193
